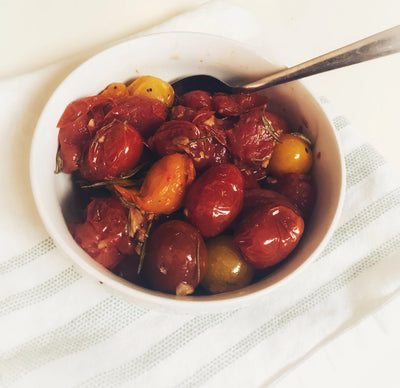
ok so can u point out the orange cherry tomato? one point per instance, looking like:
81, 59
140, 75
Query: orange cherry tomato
164, 186
115, 89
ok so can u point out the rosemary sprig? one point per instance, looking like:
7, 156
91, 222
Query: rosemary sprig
144, 244
123, 180
303, 137
270, 128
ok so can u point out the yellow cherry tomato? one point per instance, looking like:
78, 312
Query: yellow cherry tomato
115, 89
153, 87
226, 269
293, 154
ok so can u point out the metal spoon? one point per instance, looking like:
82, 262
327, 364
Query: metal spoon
383, 43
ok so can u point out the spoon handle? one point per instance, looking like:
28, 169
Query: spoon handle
383, 43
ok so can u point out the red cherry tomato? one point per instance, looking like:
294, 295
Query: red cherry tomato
115, 149
257, 197
82, 107
197, 99
212, 126
176, 258
104, 233
268, 234
78, 123
237, 104
298, 188
128, 269
184, 137
252, 173
180, 112
277, 122
145, 114
215, 199
249, 140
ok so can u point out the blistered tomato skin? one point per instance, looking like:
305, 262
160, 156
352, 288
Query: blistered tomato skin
298, 189
104, 233
176, 258
81, 108
254, 198
236, 104
164, 186
78, 123
145, 114
268, 234
115, 149
183, 137
197, 99
215, 199
249, 140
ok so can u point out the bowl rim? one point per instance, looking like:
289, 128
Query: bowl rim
140, 295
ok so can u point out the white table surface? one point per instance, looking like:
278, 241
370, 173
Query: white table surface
35, 33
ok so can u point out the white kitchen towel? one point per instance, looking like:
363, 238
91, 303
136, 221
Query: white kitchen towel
60, 328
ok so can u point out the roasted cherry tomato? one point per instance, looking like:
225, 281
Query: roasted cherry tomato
184, 137
128, 269
180, 112
104, 233
77, 125
153, 87
250, 140
196, 139
257, 197
115, 150
164, 186
291, 154
252, 173
145, 114
237, 104
115, 89
197, 99
226, 269
267, 234
176, 258
298, 188
82, 107
214, 127
215, 199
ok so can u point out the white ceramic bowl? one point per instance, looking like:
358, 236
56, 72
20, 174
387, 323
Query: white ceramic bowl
170, 56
